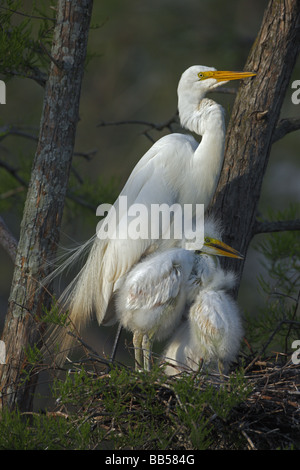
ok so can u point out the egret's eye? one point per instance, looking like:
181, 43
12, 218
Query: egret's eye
207, 239
200, 75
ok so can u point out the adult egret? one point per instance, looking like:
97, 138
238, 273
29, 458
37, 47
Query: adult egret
210, 335
156, 292
176, 169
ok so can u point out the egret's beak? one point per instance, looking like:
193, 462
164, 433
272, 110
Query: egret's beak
224, 76
212, 246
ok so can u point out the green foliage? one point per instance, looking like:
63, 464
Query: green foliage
41, 432
55, 316
277, 323
23, 42
33, 354
125, 409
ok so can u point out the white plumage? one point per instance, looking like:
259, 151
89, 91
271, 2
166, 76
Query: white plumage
209, 337
176, 169
153, 297
157, 293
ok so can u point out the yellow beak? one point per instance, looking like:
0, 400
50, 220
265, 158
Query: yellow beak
216, 247
224, 76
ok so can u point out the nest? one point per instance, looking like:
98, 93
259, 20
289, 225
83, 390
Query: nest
270, 416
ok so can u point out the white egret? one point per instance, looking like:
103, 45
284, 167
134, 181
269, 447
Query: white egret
209, 337
176, 169
156, 292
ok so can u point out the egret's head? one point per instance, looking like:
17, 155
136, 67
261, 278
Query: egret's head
199, 79
215, 247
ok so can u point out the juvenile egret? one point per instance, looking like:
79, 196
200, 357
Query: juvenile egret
156, 292
176, 169
210, 335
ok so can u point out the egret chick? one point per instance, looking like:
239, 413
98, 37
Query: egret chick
155, 293
211, 334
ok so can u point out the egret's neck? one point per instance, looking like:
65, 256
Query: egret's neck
207, 120
203, 116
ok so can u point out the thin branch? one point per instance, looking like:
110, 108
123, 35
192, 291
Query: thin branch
12, 192
285, 126
38, 76
7, 240
27, 15
278, 226
5, 131
157, 126
81, 202
274, 333
58, 65
14, 172
87, 155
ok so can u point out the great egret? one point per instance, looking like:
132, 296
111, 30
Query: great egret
176, 169
210, 335
156, 292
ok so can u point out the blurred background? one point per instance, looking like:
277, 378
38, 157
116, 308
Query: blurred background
138, 51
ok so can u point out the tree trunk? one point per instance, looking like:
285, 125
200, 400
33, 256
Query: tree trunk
45, 198
253, 119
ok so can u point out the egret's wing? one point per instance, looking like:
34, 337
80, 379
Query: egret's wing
217, 313
153, 282
209, 312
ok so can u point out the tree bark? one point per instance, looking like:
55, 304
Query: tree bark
45, 198
253, 121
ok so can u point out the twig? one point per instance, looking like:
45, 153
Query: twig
7, 240
81, 202
12, 192
14, 172
279, 325
5, 131
87, 155
40, 77
157, 126
252, 446
278, 226
27, 15
285, 126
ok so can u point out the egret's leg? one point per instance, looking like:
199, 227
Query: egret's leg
138, 350
116, 342
147, 349
221, 369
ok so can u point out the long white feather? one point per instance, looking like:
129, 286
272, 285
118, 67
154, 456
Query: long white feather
176, 169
